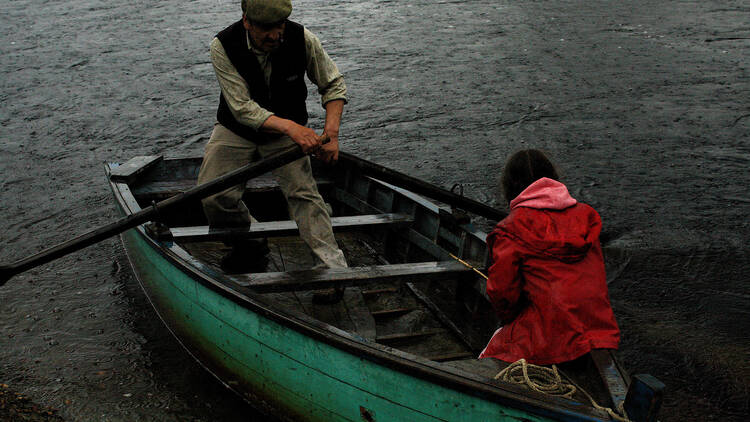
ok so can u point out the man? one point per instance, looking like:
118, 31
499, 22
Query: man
260, 62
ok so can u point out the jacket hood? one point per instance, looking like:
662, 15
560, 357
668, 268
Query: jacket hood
544, 193
547, 220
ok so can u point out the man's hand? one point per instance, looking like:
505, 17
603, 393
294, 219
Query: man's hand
305, 137
329, 152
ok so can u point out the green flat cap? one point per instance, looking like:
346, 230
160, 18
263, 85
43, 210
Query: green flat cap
267, 11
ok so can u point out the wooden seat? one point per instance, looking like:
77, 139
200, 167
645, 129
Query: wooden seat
165, 189
329, 277
284, 228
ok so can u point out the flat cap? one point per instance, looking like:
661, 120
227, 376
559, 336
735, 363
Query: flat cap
267, 11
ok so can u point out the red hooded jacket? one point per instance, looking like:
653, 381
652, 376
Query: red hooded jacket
547, 281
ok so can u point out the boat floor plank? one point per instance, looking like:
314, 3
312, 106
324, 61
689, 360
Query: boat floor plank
355, 312
363, 321
351, 313
294, 255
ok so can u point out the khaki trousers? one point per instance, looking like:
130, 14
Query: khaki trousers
227, 151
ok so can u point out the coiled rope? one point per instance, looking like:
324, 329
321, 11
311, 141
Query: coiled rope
550, 381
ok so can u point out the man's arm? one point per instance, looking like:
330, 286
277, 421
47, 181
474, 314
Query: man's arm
330, 151
323, 72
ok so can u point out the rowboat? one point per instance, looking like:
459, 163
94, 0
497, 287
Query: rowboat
402, 343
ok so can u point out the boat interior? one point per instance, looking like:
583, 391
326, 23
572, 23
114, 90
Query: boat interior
405, 287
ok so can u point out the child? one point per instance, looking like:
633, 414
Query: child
546, 280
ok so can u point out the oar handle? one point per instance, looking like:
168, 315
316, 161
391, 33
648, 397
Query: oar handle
285, 156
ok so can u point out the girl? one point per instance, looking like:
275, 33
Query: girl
546, 280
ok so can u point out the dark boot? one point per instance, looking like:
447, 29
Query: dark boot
246, 256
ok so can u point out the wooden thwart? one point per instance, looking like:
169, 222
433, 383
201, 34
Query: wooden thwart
164, 189
129, 171
284, 228
324, 278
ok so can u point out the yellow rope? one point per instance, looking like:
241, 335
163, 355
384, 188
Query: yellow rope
549, 381
538, 378
467, 264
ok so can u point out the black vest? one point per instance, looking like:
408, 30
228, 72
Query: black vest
288, 91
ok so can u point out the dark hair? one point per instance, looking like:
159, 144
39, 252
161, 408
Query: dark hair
524, 168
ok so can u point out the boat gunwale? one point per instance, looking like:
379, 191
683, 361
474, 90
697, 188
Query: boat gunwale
413, 365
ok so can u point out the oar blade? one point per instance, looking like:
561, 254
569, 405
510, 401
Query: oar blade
241, 174
6, 272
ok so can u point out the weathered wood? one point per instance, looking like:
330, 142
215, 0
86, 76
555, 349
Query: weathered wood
392, 338
383, 313
166, 188
131, 169
329, 277
379, 291
364, 322
419, 186
611, 377
284, 228
355, 203
412, 236
450, 356
444, 319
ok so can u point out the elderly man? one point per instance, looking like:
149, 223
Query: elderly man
260, 62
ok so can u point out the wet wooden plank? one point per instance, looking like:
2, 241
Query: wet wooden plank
285, 228
379, 291
335, 314
613, 380
384, 313
486, 367
167, 188
128, 171
364, 323
330, 277
473, 345
450, 356
398, 337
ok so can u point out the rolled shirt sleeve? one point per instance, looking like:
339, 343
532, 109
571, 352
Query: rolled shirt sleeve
322, 71
235, 89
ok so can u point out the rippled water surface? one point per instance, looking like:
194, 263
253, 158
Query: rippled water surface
644, 107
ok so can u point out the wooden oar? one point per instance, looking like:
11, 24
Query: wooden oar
235, 177
418, 186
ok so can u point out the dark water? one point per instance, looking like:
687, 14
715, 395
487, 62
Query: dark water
644, 106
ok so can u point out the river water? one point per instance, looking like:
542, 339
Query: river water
645, 106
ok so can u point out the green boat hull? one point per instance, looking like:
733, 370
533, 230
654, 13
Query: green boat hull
299, 376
